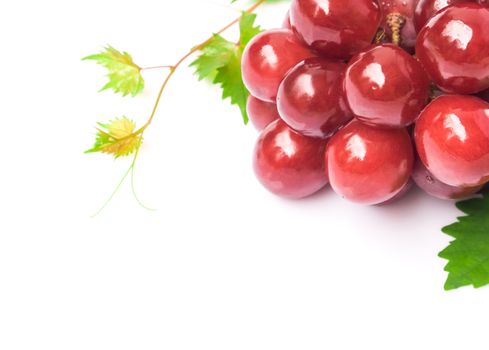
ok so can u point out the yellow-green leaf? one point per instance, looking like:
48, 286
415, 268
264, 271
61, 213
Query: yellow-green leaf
124, 75
117, 138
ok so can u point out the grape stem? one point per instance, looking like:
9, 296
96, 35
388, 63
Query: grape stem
396, 22
156, 67
173, 68
184, 58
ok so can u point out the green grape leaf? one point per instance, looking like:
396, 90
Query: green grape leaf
468, 254
116, 138
220, 63
216, 54
124, 75
230, 80
247, 29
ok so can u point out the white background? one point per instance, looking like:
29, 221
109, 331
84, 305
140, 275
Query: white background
221, 264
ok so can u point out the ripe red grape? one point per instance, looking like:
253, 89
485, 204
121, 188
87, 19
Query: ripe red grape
369, 165
452, 139
336, 28
266, 60
425, 9
386, 86
454, 48
310, 99
398, 20
261, 113
289, 164
434, 187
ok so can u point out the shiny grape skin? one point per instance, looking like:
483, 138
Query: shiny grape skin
386, 86
261, 113
267, 59
288, 164
425, 9
369, 165
406, 9
452, 139
434, 187
398, 197
454, 49
336, 28
310, 99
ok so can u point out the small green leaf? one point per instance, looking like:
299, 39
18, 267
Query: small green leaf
124, 75
213, 56
247, 29
468, 254
229, 78
220, 63
116, 138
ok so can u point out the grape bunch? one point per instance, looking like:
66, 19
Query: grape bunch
370, 96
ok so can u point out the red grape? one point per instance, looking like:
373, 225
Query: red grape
386, 86
261, 113
454, 48
336, 28
369, 165
289, 164
310, 99
267, 59
452, 138
425, 9
398, 21
434, 187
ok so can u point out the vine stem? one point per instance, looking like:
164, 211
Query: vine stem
128, 172
156, 67
139, 132
174, 68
